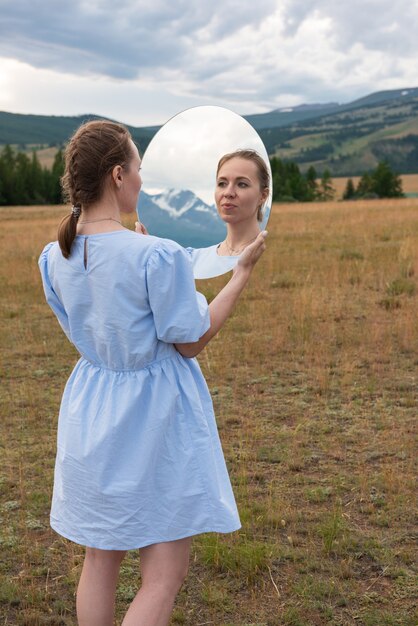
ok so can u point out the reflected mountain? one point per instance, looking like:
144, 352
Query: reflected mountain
182, 216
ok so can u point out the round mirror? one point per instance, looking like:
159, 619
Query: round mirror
214, 215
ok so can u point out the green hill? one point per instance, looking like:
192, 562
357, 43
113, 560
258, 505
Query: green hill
347, 139
54, 130
355, 137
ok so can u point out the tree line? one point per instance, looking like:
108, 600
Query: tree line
23, 180
382, 182
291, 185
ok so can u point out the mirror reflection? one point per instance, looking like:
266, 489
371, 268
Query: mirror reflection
206, 184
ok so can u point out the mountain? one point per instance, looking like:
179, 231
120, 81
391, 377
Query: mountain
286, 116
54, 130
355, 137
289, 115
348, 139
182, 216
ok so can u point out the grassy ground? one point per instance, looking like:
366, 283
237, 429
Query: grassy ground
314, 381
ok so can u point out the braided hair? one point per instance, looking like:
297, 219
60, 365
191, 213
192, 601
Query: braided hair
90, 156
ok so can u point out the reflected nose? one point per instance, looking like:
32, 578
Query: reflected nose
229, 191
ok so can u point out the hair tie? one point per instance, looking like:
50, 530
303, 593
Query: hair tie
76, 211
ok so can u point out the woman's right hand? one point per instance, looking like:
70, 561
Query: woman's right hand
249, 257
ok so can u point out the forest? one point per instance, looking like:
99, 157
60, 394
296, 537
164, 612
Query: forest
24, 181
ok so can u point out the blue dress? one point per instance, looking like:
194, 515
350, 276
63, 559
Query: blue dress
139, 459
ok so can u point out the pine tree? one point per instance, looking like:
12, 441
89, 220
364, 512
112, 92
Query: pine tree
382, 182
311, 177
326, 190
38, 191
7, 175
350, 191
22, 188
365, 186
386, 184
55, 194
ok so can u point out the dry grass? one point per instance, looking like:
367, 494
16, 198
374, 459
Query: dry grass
315, 388
46, 156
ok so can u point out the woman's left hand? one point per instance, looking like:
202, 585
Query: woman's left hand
250, 255
140, 228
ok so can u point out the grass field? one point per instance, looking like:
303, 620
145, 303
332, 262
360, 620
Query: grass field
314, 381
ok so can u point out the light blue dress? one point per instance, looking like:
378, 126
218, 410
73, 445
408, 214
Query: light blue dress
207, 263
139, 459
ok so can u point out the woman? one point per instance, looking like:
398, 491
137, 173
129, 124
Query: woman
242, 188
139, 462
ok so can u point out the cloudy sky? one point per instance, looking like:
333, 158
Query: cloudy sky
143, 61
205, 133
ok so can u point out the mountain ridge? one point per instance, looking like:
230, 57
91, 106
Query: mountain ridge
181, 215
348, 139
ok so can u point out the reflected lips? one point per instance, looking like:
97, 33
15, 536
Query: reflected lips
228, 206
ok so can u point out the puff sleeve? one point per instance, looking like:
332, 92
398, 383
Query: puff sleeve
181, 314
50, 295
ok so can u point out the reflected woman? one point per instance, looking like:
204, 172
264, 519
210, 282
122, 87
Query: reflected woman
242, 188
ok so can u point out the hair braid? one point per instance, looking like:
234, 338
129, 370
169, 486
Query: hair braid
91, 154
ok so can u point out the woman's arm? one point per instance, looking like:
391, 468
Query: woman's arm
222, 306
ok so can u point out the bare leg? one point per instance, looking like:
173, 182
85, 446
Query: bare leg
97, 587
163, 569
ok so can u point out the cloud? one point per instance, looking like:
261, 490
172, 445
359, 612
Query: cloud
122, 40
314, 50
375, 24
249, 56
185, 151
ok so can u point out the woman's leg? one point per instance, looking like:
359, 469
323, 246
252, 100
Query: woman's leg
97, 587
163, 569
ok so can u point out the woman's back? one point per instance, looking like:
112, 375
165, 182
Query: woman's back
139, 461
126, 298
136, 423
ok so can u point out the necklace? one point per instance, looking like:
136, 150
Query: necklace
102, 219
238, 250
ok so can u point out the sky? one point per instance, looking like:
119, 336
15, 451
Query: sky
143, 61
205, 133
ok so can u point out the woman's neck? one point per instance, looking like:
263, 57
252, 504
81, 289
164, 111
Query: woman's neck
239, 235
100, 217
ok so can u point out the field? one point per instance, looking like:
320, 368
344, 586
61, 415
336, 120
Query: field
314, 381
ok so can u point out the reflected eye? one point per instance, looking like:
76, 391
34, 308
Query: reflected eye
221, 183
242, 184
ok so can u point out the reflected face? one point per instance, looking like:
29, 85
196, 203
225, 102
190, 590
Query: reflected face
238, 195
132, 181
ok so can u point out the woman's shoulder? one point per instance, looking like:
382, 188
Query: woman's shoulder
208, 251
48, 248
161, 245
150, 242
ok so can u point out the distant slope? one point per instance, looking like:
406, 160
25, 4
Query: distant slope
354, 138
290, 115
53, 130
346, 138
